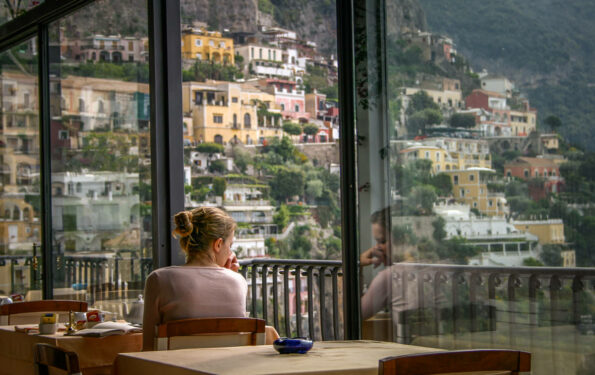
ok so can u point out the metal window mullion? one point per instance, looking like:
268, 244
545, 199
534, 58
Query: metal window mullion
167, 161
45, 160
345, 48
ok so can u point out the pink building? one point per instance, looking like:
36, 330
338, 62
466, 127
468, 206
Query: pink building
288, 98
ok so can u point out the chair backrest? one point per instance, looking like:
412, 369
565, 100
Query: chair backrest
209, 332
47, 356
456, 361
28, 312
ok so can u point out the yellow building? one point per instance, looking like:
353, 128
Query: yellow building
450, 153
568, 258
19, 226
439, 157
205, 45
523, 123
550, 141
463, 153
548, 231
445, 98
224, 112
470, 187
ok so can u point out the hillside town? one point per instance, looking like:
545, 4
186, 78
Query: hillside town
261, 130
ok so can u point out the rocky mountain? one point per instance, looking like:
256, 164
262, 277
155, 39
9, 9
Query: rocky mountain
546, 46
312, 19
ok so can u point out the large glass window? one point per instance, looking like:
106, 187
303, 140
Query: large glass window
100, 156
20, 200
478, 248
275, 169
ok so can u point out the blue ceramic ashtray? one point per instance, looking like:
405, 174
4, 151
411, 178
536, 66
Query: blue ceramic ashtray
286, 345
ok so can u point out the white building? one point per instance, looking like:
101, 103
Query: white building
90, 209
201, 161
500, 85
503, 244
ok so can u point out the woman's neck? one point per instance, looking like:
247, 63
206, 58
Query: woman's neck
201, 262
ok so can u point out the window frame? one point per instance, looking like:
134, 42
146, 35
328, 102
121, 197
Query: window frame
166, 98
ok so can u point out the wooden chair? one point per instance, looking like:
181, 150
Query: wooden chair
47, 356
209, 333
456, 361
29, 312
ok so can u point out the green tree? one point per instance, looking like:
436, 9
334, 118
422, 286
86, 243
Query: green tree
310, 129
442, 183
532, 262
200, 194
287, 183
553, 122
419, 121
292, 128
217, 166
209, 148
421, 200
219, 186
242, 158
281, 217
462, 120
421, 101
439, 233
314, 188
551, 255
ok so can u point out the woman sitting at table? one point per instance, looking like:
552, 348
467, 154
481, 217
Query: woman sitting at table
207, 285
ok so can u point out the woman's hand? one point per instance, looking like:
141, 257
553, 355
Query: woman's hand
375, 255
232, 263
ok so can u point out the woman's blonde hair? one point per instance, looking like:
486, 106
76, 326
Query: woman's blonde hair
201, 226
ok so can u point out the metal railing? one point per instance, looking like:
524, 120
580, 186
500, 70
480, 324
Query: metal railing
304, 297
477, 298
295, 296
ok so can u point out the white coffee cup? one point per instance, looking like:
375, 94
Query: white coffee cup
48, 328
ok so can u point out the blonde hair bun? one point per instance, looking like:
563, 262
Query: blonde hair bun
183, 222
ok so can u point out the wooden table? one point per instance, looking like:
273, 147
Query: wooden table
96, 355
326, 357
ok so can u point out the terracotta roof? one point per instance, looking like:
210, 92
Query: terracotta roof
489, 93
535, 162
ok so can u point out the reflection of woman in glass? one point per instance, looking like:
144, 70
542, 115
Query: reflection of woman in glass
387, 290
207, 285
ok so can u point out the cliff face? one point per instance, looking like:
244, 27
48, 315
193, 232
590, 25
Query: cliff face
402, 15
235, 15
312, 19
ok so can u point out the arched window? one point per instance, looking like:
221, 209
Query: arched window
7, 214
16, 214
247, 121
218, 139
100, 108
235, 120
79, 187
81, 105
26, 214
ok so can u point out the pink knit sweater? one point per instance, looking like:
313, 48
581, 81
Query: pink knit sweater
183, 292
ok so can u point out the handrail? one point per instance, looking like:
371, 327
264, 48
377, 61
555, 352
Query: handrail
301, 297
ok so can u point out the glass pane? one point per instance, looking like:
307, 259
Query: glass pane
20, 202
484, 179
10, 9
261, 130
101, 195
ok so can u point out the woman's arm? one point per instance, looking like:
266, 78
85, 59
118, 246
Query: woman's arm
151, 316
377, 294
